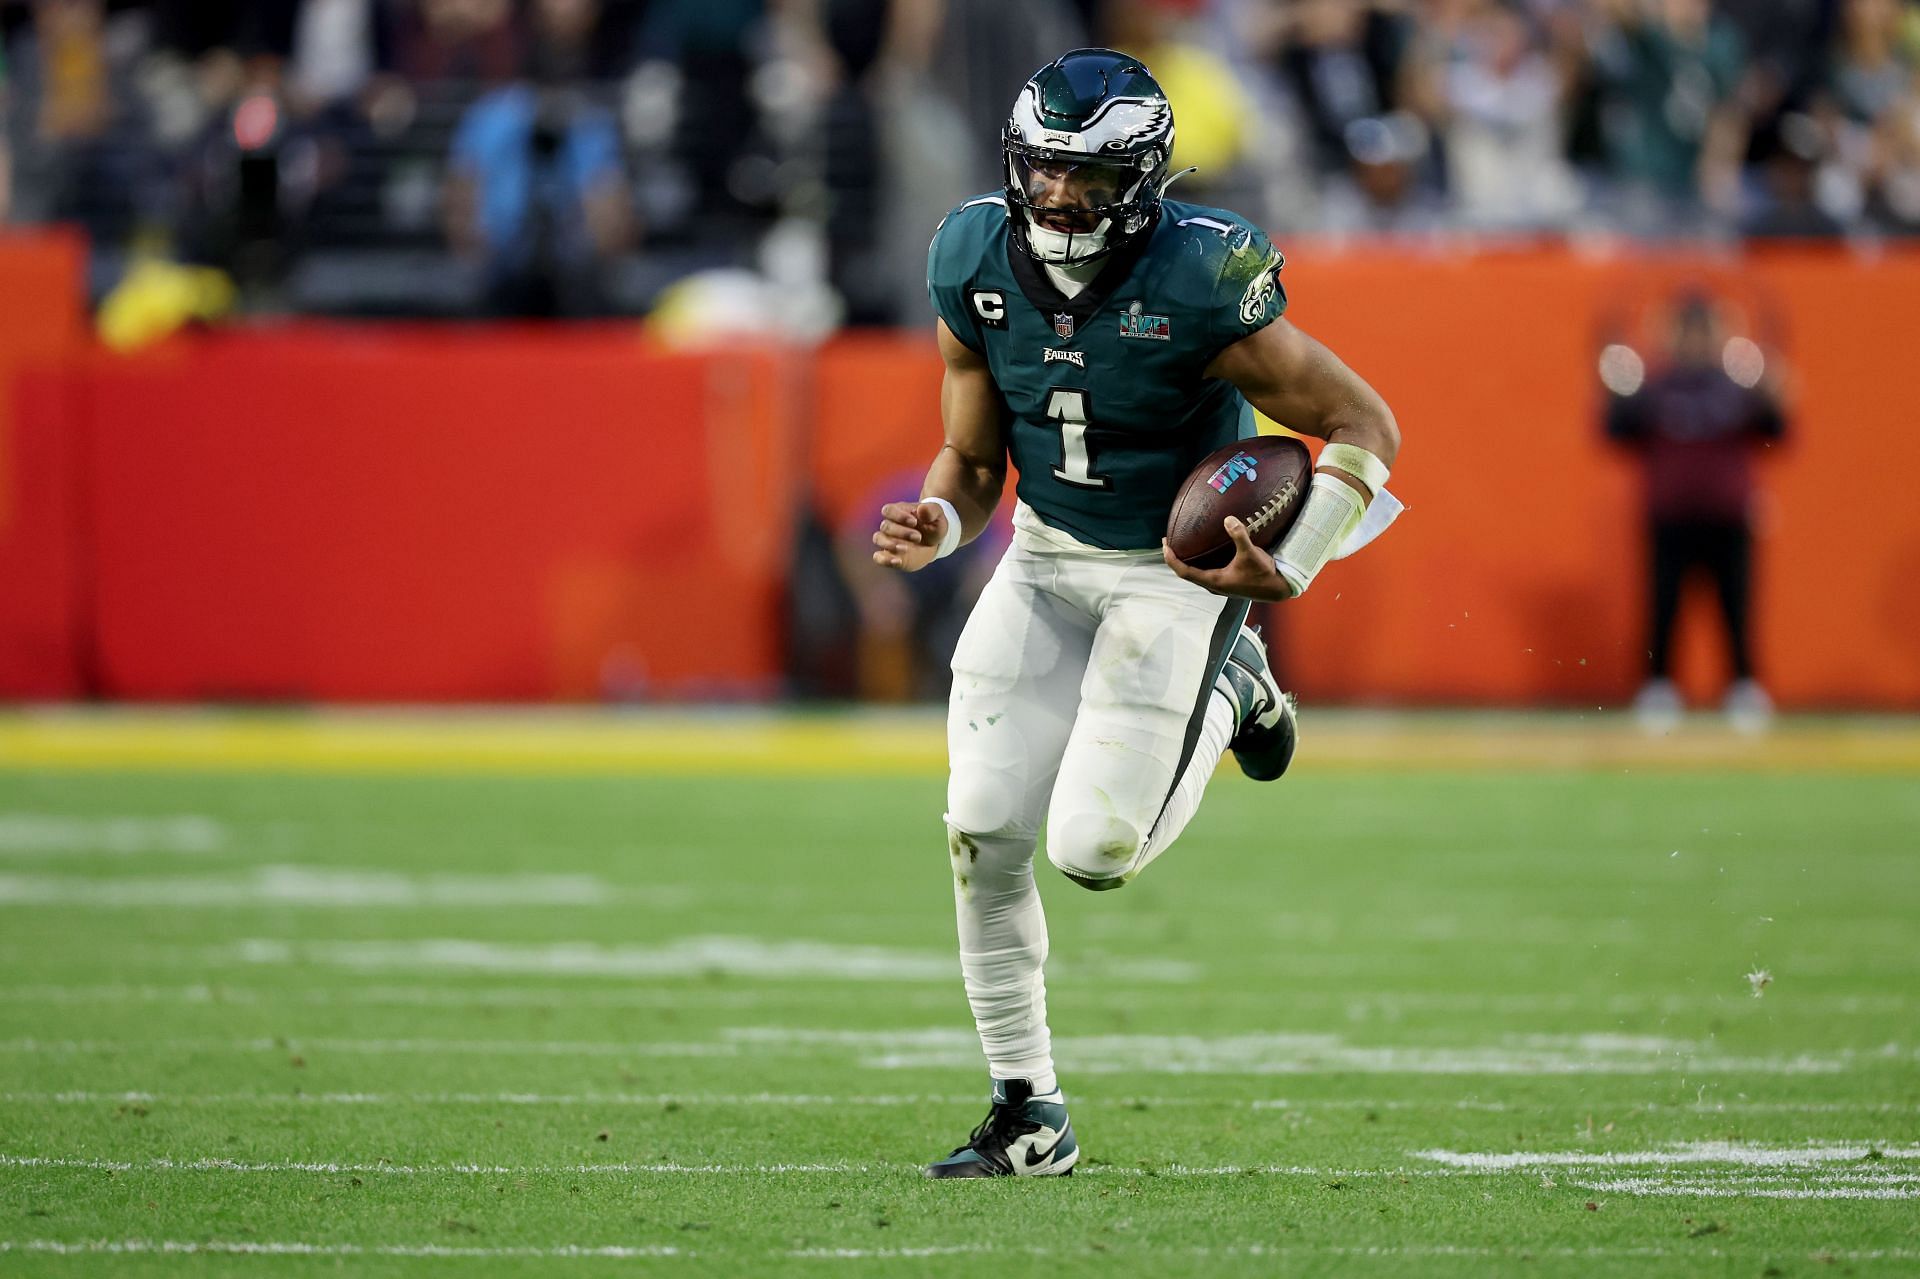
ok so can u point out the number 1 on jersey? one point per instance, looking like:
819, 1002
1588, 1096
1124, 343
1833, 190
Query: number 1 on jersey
1068, 407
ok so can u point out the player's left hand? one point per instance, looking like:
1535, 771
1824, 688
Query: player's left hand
1251, 574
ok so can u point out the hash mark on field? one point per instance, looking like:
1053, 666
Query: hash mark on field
1723, 1170
1719, 1188
1692, 1152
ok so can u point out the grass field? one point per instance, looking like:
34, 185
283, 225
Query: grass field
284, 996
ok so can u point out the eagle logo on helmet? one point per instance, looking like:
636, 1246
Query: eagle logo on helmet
1100, 113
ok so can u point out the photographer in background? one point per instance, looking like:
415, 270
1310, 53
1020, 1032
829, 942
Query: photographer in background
537, 193
1696, 425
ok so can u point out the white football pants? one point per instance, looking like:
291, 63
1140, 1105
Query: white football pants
1082, 693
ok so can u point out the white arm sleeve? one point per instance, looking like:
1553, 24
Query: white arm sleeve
1332, 512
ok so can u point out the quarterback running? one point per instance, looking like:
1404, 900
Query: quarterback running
1104, 339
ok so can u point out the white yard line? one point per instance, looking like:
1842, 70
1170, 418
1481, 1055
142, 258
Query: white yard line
385, 1169
952, 1047
376, 1047
692, 1099
1359, 1006
1699, 1182
956, 1048
43, 834
352, 994
242, 1247
623, 1252
668, 1168
686, 956
1513, 1252
479, 1099
317, 887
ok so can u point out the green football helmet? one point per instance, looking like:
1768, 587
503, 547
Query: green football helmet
1087, 150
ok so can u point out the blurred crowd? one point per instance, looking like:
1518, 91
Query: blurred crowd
780, 163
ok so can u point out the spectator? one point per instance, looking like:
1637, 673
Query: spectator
1868, 103
1695, 426
237, 201
470, 40
337, 49
1364, 83
537, 195
83, 157
1789, 183
870, 61
576, 40
76, 103
1674, 129
6, 152
1899, 189
1504, 95
1786, 43
1214, 112
710, 45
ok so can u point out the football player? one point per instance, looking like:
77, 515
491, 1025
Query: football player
1105, 339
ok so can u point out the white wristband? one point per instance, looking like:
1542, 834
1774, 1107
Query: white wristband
1357, 462
950, 540
1331, 512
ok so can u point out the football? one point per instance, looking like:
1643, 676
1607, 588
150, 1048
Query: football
1262, 480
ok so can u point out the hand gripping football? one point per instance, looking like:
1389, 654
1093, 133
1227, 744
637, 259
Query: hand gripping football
1262, 480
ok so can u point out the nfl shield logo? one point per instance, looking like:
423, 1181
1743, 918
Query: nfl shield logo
1063, 325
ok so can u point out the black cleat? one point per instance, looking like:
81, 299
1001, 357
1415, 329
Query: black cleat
1265, 726
1022, 1136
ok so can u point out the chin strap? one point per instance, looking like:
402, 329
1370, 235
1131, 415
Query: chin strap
1104, 230
1172, 178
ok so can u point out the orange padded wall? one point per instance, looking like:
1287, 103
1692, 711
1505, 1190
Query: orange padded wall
1518, 574
42, 331
484, 514
446, 515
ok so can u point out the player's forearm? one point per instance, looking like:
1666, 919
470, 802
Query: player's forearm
971, 486
1372, 432
972, 464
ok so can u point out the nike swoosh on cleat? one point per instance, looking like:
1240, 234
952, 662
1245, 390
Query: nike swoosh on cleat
1037, 1158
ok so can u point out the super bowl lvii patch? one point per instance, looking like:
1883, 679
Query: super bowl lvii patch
1137, 322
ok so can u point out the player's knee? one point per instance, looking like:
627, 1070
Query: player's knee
981, 802
1095, 850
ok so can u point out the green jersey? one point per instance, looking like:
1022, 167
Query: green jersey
1109, 403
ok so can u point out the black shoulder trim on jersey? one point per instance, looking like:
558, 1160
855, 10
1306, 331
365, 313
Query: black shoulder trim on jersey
1050, 301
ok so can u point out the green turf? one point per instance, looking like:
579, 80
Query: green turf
1326, 978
